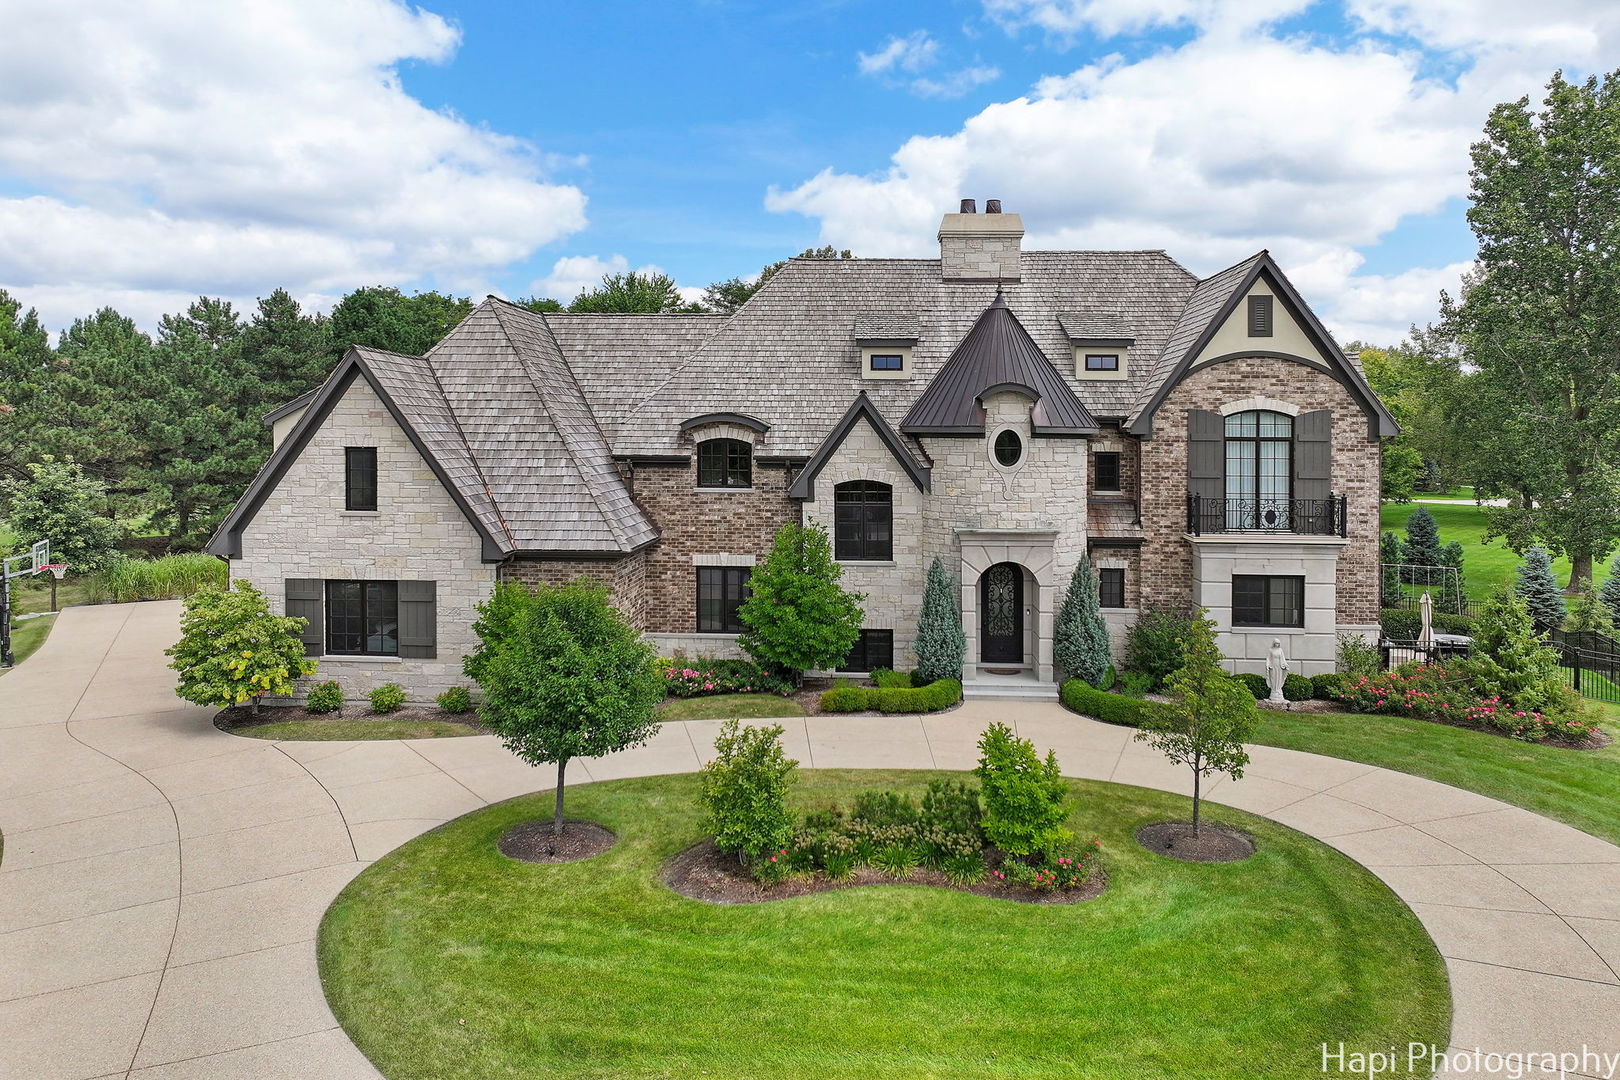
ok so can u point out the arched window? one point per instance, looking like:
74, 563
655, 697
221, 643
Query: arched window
725, 463
1259, 470
863, 520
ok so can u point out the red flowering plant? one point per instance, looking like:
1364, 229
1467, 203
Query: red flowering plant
1069, 868
700, 678
1435, 692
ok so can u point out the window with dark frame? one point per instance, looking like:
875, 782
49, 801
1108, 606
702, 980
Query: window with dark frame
888, 362
1111, 587
1266, 600
720, 592
725, 463
1102, 361
360, 478
863, 520
1009, 448
362, 618
1260, 316
1105, 470
873, 649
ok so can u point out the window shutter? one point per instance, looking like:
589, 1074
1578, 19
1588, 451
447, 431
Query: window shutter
306, 599
1313, 455
1206, 454
1260, 316
418, 619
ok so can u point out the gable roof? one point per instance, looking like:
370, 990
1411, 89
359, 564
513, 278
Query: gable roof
407, 388
1213, 302
804, 485
996, 354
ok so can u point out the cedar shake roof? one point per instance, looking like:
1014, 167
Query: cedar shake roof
523, 414
997, 353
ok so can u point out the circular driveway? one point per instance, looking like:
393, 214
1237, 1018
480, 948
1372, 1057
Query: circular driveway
162, 881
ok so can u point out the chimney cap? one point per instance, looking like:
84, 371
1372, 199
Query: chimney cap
992, 206
969, 207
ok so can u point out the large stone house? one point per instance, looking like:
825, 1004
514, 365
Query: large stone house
1003, 410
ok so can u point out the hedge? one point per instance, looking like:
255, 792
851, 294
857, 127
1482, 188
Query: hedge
1082, 697
1328, 687
892, 699
1404, 624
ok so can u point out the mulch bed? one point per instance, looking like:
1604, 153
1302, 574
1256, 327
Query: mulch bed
704, 872
533, 841
1215, 843
241, 716
1314, 705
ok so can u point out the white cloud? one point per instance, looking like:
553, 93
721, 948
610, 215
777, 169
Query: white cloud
230, 149
911, 53
1236, 140
955, 84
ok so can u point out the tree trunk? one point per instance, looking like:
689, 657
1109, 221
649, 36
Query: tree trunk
255, 706
1196, 779
1580, 572
557, 816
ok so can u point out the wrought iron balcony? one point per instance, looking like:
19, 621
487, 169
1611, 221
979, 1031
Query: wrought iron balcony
1302, 517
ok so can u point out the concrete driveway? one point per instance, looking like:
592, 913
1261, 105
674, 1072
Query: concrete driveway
162, 881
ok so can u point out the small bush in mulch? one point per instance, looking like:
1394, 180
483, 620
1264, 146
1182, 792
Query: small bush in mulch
1215, 843
704, 872
240, 717
533, 841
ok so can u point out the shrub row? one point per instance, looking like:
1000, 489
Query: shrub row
1130, 711
328, 697
1295, 687
892, 699
1404, 624
703, 678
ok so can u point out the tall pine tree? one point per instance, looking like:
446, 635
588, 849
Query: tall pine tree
1610, 593
1535, 583
940, 642
26, 376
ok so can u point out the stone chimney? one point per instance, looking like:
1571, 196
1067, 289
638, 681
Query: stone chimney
980, 247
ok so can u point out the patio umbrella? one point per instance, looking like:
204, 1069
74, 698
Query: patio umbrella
1426, 635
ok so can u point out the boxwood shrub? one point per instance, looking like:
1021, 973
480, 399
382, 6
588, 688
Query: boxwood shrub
892, 699
1082, 697
1297, 688
1256, 684
1328, 686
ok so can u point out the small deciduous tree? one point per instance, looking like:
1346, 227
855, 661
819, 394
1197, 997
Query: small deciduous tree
1535, 583
798, 616
1209, 715
1589, 614
1510, 660
940, 642
233, 650
1025, 798
60, 504
1080, 637
744, 790
563, 676
649, 293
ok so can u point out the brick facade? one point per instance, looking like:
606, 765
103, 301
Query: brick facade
626, 578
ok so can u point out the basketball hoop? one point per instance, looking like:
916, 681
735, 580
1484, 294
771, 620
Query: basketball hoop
57, 569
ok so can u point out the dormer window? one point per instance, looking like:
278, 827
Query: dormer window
1101, 345
885, 342
725, 463
886, 361
1102, 361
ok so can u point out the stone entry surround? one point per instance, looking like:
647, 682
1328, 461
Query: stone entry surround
1030, 549
144, 849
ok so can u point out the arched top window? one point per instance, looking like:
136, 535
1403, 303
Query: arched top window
725, 463
1259, 470
863, 520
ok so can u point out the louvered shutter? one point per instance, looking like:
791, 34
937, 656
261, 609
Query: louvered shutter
306, 599
1206, 454
1313, 455
418, 619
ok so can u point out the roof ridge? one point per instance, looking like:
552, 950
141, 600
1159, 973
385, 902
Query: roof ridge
586, 474
461, 432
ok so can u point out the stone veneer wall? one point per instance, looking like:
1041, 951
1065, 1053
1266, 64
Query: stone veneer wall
1357, 461
693, 522
893, 588
417, 533
625, 577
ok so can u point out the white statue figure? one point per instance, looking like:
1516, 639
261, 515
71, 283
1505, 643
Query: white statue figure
1276, 669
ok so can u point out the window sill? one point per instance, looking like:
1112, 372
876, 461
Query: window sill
1269, 629
729, 634
361, 513
866, 562
350, 658
723, 490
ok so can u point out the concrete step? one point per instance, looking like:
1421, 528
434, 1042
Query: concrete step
1009, 689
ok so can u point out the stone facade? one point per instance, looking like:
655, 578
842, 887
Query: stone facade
417, 533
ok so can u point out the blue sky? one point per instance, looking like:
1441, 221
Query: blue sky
476, 146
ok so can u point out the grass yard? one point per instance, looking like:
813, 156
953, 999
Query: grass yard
26, 637
445, 960
1485, 566
728, 707
1578, 787
348, 730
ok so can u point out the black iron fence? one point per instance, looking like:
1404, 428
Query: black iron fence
1304, 517
1593, 673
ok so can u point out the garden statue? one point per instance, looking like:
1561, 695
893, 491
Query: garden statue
1276, 669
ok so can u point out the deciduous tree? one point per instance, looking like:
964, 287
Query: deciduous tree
798, 616
633, 292
60, 504
232, 649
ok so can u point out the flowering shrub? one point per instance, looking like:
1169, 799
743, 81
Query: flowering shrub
700, 678
1434, 692
1064, 869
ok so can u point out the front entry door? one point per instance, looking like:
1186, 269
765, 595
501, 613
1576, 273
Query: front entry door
1001, 615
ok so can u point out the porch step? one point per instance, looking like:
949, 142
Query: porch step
1009, 689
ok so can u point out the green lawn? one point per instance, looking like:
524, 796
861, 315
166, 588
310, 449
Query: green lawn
345, 730
26, 637
728, 707
1460, 494
1485, 566
1578, 787
445, 960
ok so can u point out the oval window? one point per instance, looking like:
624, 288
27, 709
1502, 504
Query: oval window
1009, 448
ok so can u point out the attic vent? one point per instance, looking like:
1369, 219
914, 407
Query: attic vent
1260, 316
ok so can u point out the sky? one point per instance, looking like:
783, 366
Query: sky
153, 152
